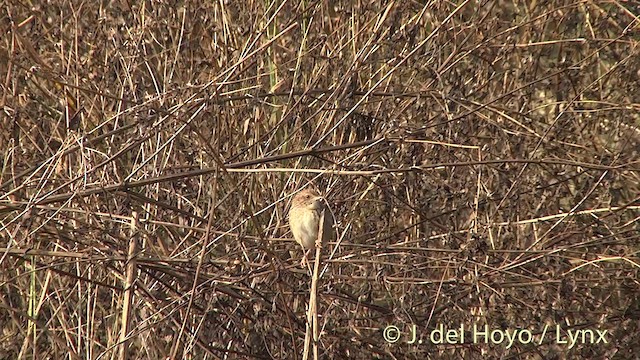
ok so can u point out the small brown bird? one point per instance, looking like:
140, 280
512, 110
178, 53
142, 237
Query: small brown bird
304, 218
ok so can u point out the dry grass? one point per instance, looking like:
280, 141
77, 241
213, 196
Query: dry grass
482, 159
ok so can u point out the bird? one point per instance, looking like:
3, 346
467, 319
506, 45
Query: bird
304, 219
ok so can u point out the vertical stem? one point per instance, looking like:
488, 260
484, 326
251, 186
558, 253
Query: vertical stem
128, 289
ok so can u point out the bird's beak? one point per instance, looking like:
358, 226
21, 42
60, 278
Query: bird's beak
318, 202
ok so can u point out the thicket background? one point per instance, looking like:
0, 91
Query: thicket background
482, 160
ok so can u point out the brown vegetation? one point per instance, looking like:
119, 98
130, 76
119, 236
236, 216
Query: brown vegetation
482, 161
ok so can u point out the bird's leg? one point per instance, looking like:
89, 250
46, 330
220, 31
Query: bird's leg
305, 259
